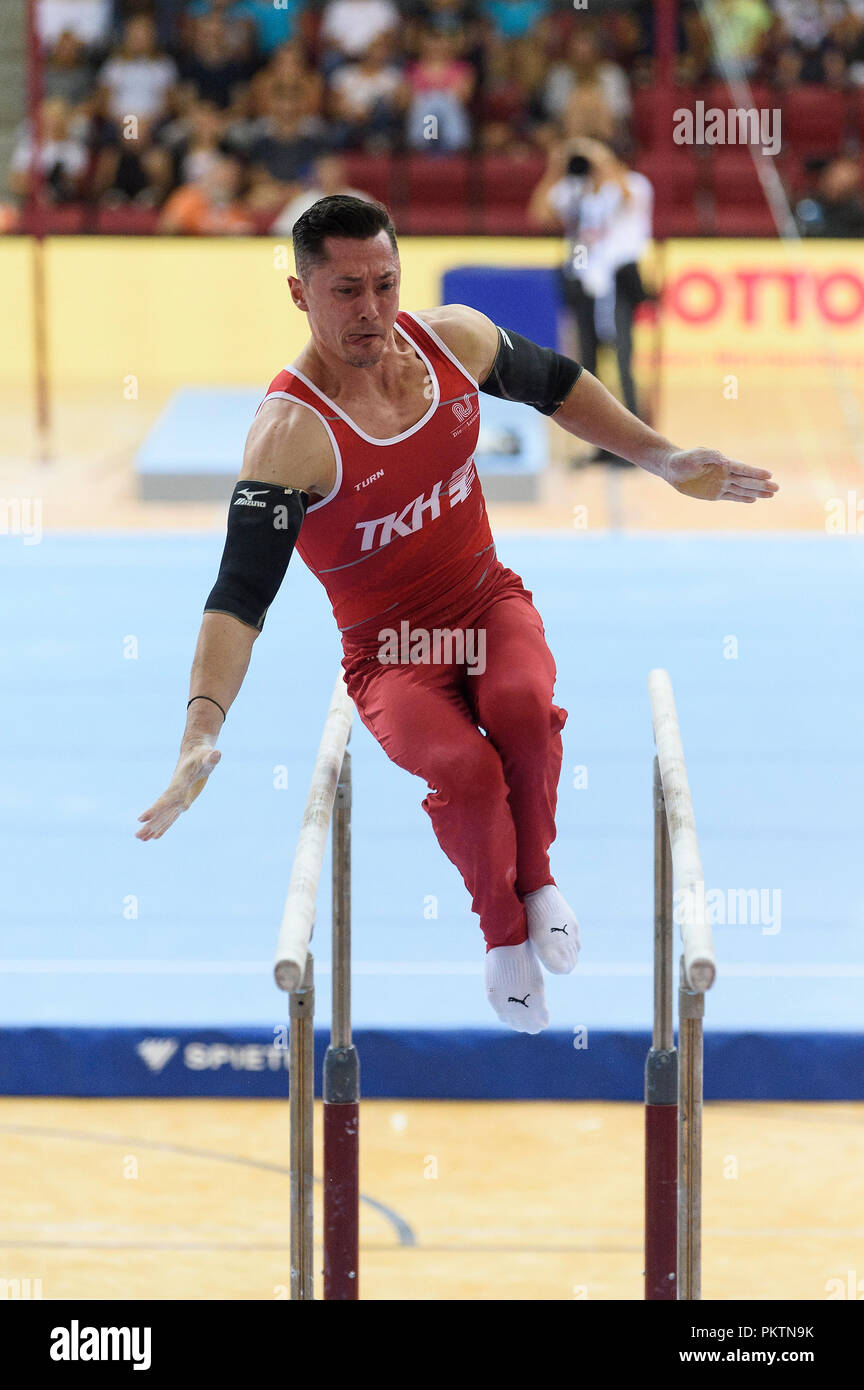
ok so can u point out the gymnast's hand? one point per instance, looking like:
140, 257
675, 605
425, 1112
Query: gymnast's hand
711, 476
197, 760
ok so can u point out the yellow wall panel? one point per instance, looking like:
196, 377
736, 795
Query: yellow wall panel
196, 311
763, 350
16, 297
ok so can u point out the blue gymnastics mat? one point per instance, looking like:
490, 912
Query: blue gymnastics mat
116, 943
194, 450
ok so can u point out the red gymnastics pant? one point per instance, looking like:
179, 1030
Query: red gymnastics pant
492, 797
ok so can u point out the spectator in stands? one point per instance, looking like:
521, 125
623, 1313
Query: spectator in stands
740, 30
62, 161
195, 141
349, 26
584, 70
138, 80
67, 73
441, 86
605, 211
835, 69
328, 178
587, 115
270, 24
628, 39
211, 207
274, 25
504, 102
461, 19
837, 210
284, 154
807, 24
88, 20
290, 64
133, 169
238, 28
521, 26
368, 98
212, 67
515, 19
788, 69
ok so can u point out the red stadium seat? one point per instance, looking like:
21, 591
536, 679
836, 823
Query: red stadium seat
506, 183
263, 221
678, 199
434, 195
372, 174
504, 221
680, 221
129, 221
651, 105
734, 178
856, 100
814, 121
744, 221
63, 221
505, 103
740, 207
718, 94
436, 219
509, 180
437, 178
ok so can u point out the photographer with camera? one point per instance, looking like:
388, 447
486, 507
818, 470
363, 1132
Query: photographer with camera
604, 210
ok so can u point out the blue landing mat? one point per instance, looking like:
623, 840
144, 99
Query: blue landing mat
102, 932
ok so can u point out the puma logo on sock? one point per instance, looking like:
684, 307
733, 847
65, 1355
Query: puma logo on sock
514, 1000
564, 929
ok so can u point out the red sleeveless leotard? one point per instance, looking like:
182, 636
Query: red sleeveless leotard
405, 528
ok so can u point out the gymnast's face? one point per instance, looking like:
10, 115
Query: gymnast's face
352, 298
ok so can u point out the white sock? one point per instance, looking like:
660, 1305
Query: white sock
552, 929
514, 987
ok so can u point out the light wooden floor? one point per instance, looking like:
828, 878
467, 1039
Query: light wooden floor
526, 1200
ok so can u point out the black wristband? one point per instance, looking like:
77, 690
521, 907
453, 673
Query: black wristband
213, 702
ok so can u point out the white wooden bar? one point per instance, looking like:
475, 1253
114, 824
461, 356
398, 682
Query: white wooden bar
700, 965
298, 917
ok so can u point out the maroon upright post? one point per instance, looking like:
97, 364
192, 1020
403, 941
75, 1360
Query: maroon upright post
661, 1082
341, 1080
34, 222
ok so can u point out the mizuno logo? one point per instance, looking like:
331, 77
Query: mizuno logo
157, 1052
246, 498
514, 1000
506, 339
564, 929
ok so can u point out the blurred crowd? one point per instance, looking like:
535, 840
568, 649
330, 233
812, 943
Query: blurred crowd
220, 113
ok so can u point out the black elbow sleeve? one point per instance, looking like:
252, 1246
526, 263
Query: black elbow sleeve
264, 521
534, 375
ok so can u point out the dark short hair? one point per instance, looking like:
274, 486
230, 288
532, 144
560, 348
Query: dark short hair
338, 215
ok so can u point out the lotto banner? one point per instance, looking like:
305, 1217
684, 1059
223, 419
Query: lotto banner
762, 345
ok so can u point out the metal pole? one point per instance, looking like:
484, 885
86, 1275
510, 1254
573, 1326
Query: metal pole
661, 1080
301, 1097
691, 1011
341, 1082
